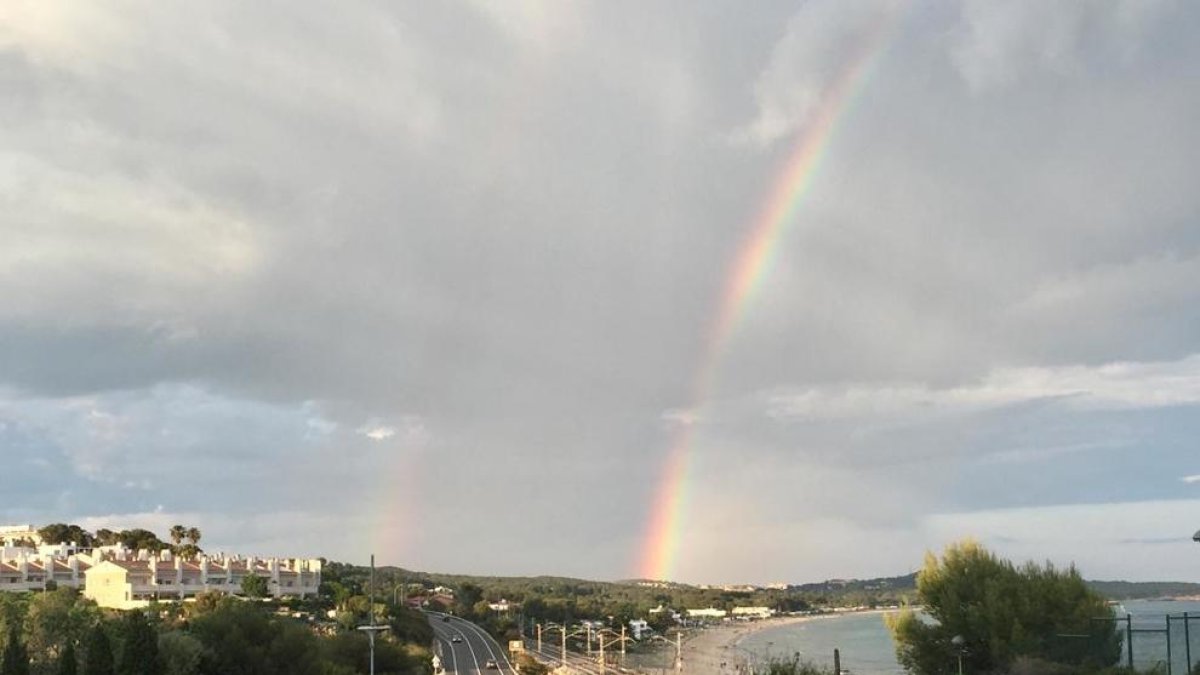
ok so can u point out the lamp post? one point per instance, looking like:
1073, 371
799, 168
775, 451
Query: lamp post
958, 641
372, 628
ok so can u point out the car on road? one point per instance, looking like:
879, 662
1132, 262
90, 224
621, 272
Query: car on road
491, 664
446, 618
456, 639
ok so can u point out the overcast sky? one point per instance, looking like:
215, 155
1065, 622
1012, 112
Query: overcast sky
434, 281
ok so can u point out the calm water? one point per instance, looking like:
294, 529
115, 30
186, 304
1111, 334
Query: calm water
867, 649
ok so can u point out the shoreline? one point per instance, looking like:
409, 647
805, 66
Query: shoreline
718, 650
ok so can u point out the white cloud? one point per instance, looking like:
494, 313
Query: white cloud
1138, 540
681, 417
819, 41
378, 433
997, 43
1110, 386
1194, 478
408, 429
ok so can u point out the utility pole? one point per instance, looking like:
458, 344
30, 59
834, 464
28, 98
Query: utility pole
678, 652
539, 637
564, 645
372, 628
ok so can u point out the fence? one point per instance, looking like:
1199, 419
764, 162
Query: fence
1170, 644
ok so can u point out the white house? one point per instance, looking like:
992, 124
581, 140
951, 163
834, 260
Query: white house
746, 613
708, 613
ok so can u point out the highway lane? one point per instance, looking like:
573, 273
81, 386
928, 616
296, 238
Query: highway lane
470, 656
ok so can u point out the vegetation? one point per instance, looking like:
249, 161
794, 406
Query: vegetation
254, 586
990, 613
15, 660
794, 666
68, 662
98, 659
215, 635
185, 541
139, 654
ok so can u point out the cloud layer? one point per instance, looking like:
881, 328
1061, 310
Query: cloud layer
433, 281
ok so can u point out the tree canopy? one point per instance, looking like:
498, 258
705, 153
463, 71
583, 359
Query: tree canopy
139, 654
98, 658
15, 660
989, 612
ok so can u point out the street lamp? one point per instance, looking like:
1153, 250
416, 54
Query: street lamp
958, 641
373, 628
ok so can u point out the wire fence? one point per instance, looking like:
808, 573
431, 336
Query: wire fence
1169, 644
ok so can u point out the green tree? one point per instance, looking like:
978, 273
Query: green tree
56, 619
254, 586
244, 640
68, 662
139, 539
15, 660
181, 653
139, 655
177, 533
989, 612
62, 533
105, 537
98, 658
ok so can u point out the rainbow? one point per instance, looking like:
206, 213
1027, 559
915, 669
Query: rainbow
747, 270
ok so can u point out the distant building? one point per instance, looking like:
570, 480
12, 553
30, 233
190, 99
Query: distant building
502, 606
639, 628
753, 612
674, 615
709, 613
14, 535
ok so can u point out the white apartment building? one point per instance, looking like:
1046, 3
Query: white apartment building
119, 578
134, 581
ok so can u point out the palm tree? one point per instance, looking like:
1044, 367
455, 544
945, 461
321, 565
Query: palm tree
193, 535
178, 532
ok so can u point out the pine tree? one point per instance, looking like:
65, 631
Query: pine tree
68, 664
99, 657
140, 654
15, 660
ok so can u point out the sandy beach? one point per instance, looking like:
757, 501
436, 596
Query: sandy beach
714, 650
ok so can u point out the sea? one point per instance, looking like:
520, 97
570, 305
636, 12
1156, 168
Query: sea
866, 647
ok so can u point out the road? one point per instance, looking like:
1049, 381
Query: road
470, 656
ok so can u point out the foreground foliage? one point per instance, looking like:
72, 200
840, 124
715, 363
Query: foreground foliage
989, 613
60, 632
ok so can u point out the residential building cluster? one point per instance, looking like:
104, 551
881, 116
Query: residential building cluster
120, 578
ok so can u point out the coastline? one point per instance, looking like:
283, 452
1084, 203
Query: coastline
717, 650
